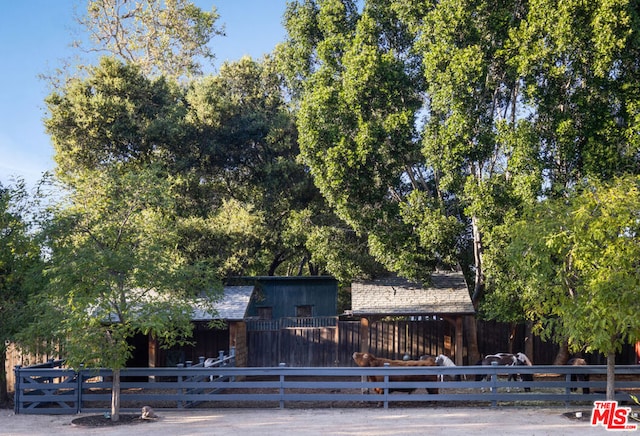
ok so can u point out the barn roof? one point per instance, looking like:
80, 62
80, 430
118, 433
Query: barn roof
232, 306
447, 294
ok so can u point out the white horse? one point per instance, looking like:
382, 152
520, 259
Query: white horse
443, 360
507, 359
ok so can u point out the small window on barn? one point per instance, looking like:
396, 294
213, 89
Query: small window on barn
265, 312
304, 311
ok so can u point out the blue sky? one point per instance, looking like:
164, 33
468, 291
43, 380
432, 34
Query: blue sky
35, 35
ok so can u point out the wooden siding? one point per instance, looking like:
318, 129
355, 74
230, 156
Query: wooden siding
206, 342
284, 294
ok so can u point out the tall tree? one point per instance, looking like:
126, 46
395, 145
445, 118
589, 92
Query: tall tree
246, 161
407, 117
425, 124
229, 141
358, 103
168, 37
408, 120
20, 268
115, 271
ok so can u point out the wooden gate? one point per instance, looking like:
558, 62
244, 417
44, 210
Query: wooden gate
298, 342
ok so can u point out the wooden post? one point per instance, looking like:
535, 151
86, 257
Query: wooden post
152, 361
364, 341
153, 346
459, 348
364, 335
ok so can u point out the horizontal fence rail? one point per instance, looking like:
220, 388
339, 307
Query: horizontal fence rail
60, 391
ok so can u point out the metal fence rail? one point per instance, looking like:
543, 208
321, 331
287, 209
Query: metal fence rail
58, 391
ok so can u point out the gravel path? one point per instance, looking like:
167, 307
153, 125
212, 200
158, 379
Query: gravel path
365, 422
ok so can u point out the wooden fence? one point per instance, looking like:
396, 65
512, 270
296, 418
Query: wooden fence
326, 342
64, 391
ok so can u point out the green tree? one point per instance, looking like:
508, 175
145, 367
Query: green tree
247, 164
408, 122
20, 268
358, 103
576, 259
115, 114
578, 64
426, 124
115, 270
228, 140
162, 37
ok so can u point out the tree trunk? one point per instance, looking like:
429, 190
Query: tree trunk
528, 341
512, 334
4, 397
115, 396
563, 354
611, 376
478, 288
471, 327
471, 331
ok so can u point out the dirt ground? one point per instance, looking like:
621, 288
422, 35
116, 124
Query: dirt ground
337, 421
331, 418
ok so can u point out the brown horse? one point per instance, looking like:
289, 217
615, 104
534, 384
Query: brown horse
369, 360
579, 361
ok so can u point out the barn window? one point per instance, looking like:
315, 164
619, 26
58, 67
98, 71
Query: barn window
265, 312
304, 311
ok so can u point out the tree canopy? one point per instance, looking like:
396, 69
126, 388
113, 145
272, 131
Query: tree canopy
162, 37
593, 236
230, 143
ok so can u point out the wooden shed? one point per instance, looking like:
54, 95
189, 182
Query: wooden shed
252, 307
446, 297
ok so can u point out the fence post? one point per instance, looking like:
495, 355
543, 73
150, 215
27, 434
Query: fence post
282, 365
17, 389
79, 389
567, 389
180, 390
386, 387
494, 385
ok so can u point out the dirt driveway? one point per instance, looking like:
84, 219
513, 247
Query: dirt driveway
365, 422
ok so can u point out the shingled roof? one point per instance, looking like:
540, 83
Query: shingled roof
231, 307
447, 294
